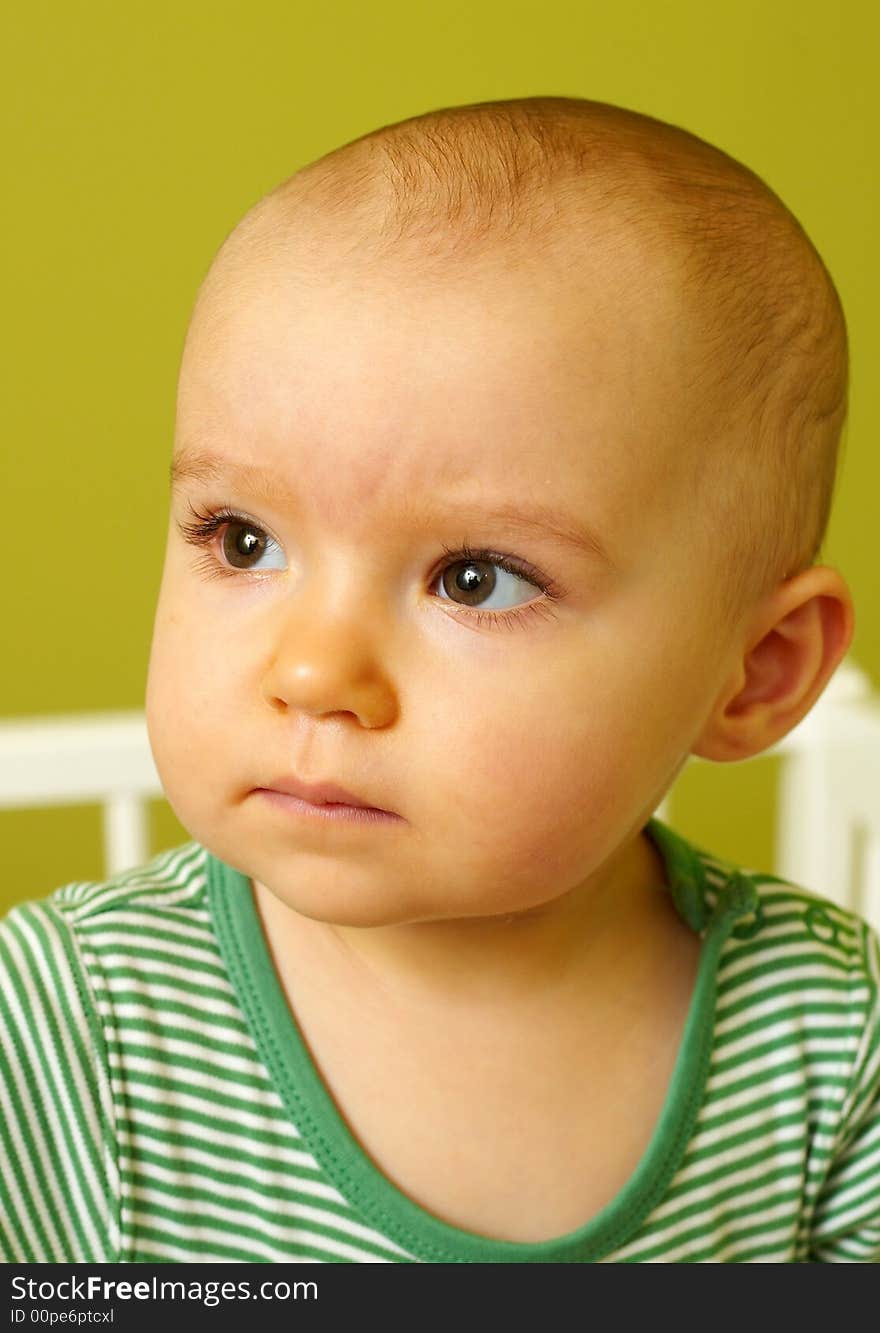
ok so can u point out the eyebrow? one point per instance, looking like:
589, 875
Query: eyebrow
538, 520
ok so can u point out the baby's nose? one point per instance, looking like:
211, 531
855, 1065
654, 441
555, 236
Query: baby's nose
330, 663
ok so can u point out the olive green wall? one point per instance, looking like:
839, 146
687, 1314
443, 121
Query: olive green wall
143, 131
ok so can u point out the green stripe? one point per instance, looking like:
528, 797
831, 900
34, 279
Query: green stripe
290, 1191
190, 985
265, 1138
229, 1024
195, 1246
173, 1082
148, 955
140, 1185
724, 1220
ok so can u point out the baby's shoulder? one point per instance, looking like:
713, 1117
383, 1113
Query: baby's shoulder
792, 928
89, 939
173, 881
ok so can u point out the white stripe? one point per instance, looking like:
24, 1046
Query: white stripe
797, 1039
212, 1006
152, 968
791, 1082
695, 1245
793, 1160
222, 1112
852, 1197
262, 1178
135, 923
242, 1170
125, 1011
151, 1125
784, 1004
297, 1212
730, 1155
226, 1065
132, 1065
762, 1119
188, 1231
763, 1067
123, 950
819, 986
711, 1218
180, 1254
822, 955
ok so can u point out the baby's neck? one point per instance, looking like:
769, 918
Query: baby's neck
466, 1059
584, 943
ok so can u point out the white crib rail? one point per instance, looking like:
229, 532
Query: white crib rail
828, 822
84, 759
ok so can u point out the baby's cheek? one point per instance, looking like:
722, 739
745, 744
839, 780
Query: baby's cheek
178, 722
538, 797
562, 829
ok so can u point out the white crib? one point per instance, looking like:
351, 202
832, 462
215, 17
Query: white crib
828, 808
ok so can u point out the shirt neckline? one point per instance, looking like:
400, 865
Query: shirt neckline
424, 1236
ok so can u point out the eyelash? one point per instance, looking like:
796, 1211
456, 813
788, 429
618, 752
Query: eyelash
207, 524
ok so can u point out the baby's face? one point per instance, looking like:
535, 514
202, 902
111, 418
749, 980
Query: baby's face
335, 632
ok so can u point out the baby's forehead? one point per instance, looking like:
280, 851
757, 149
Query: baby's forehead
537, 361
501, 458
596, 319
602, 300
560, 361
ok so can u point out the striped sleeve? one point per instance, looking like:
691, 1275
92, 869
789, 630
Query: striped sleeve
56, 1136
846, 1227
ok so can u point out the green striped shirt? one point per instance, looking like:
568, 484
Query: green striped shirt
158, 1104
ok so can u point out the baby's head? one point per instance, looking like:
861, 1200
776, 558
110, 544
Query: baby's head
550, 333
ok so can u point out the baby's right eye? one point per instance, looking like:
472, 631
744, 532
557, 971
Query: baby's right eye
243, 540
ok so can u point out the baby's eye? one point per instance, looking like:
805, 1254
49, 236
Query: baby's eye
474, 580
242, 543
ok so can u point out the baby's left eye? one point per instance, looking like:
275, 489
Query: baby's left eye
478, 577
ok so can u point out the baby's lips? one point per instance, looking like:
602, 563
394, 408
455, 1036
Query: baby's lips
321, 793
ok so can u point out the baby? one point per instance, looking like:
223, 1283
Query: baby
506, 441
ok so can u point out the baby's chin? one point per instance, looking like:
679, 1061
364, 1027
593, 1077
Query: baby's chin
361, 906
373, 906
348, 914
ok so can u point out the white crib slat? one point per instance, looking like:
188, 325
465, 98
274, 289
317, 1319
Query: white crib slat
829, 800
663, 811
125, 833
870, 896
800, 852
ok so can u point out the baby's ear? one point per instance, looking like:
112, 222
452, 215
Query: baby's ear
791, 647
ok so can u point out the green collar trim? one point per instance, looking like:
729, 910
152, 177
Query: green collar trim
383, 1206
